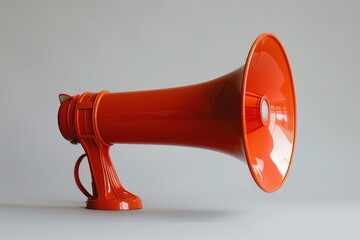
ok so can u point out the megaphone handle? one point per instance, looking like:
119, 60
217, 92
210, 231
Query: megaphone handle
77, 178
108, 193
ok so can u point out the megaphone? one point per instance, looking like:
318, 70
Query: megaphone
249, 113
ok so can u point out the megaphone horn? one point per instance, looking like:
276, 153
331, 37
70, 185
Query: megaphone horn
248, 113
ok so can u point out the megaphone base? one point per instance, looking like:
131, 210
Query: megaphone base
130, 203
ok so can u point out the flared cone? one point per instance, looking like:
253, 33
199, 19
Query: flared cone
205, 115
269, 113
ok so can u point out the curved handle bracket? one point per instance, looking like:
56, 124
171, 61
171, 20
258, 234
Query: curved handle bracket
77, 178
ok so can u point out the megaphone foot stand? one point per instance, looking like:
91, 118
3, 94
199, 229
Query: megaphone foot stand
108, 193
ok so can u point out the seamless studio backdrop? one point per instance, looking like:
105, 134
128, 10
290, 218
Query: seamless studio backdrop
52, 47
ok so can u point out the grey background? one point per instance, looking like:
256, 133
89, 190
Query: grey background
49, 47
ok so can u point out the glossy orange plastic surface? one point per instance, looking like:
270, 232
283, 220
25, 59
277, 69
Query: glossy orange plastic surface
250, 111
269, 148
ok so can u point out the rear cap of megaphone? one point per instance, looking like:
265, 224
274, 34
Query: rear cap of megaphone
268, 112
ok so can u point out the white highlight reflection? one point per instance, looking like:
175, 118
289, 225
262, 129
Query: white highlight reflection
259, 167
281, 151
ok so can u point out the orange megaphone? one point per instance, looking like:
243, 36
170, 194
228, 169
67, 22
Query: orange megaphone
249, 113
